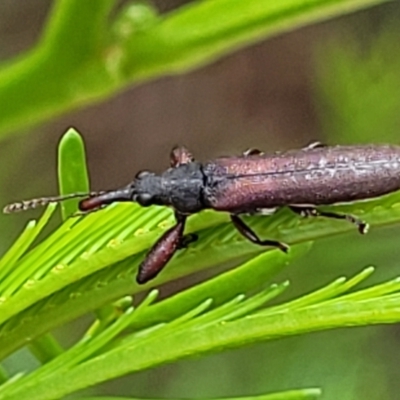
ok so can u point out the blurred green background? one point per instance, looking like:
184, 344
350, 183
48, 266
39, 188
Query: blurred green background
337, 82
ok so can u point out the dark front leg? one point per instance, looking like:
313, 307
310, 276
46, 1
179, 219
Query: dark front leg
165, 247
180, 155
306, 211
249, 234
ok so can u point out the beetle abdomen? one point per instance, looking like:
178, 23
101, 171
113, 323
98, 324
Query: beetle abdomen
319, 176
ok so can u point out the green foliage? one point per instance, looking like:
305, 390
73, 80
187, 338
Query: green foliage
305, 394
88, 263
83, 57
72, 172
356, 77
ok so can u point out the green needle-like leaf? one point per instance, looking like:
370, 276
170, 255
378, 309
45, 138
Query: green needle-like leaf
88, 53
91, 261
199, 331
72, 171
22, 244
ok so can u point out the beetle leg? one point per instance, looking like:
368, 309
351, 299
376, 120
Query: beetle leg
314, 145
252, 152
362, 226
86, 212
186, 240
249, 234
163, 250
180, 155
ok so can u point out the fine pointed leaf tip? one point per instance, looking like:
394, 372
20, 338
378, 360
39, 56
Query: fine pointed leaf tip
31, 224
72, 131
52, 206
208, 302
71, 135
129, 310
314, 393
153, 294
274, 286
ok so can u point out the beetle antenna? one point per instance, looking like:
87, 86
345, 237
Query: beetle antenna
43, 201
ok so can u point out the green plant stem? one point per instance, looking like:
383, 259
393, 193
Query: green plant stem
45, 348
47, 78
78, 62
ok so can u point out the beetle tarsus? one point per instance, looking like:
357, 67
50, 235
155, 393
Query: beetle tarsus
249, 234
361, 225
186, 240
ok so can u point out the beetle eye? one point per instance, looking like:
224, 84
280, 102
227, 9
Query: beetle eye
142, 174
145, 199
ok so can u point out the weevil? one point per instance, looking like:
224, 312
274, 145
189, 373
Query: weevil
254, 182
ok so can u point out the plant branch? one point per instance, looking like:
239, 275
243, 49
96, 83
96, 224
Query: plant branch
83, 59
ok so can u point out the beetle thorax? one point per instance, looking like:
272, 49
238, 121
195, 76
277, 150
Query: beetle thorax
179, 187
